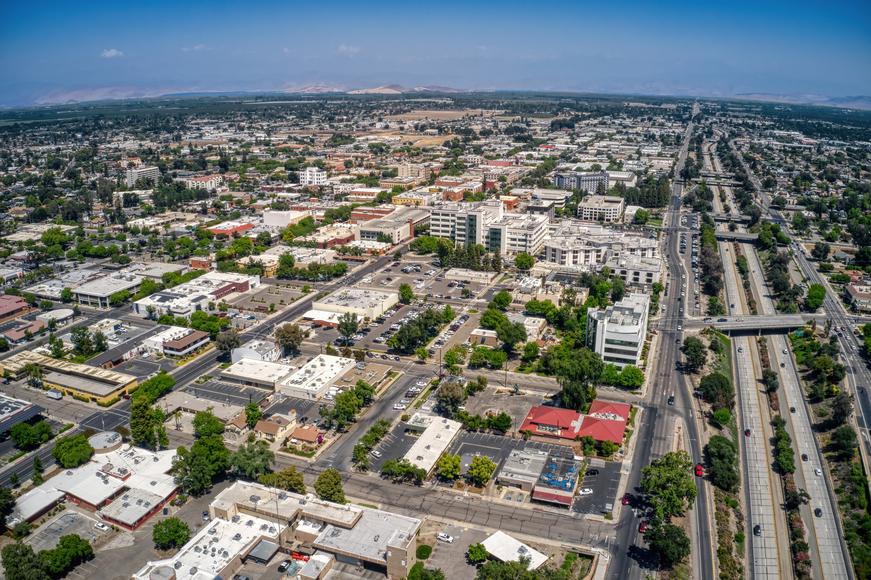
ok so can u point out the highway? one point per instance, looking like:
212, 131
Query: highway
659, 421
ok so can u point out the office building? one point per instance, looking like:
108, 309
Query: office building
589, 182
516, 233
437, 435
583, 246
364, 303
313, 176
465, 223
136, 173
636, 270
185, 299
617, 332
98, 293
601, 208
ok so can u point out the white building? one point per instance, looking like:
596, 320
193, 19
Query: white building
606, 208
282, 219
262, 350
314, 379
583, 246
207, 182
517, 233
137, 173
364, 303
437, 436
187, 298
313, 176
617, 333
98, 293
636, 270
465, 223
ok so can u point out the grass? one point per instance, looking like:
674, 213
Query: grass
300, 452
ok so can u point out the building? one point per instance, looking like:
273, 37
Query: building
516, 233
557, 481
207, 182
187, 343
245, 514
282, 219
583, 246
332, 235
606, 421
412, 198
257, 373
98, 293
257, 349
85, 382
231, 228
11, 306
313, 176
24, 331
605, 208
437, 435
522, 468
15, 411
617, 333
465, 223
364, 303
859, 297
197, 294
507, 549
136, 173
314, 379
552, 423
636, 270
591, 182
394, 228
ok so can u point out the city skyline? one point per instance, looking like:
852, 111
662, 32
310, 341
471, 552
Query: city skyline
112, 51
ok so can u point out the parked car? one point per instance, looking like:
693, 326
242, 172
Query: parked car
101, 526
375, 453
284, 566
585, 491
626, 499
399, 407
446, 538
642, 527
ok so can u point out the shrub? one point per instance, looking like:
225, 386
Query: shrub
423, 551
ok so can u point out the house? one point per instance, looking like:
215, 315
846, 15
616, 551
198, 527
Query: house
553, 423
606, 421
306, 435
275, 428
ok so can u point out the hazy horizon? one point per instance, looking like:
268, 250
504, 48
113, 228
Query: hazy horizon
52, 53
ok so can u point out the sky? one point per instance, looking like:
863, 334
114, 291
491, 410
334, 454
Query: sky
54, 52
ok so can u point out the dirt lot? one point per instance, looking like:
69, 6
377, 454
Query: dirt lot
439, 115
269, 294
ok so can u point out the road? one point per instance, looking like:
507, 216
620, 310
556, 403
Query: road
656, 431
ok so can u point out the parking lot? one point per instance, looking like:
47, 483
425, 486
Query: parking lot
278, 294
603, 477
394, 445
68, 522
142, 369
307, 412
496, 447
221, 392
451, 558
495, 399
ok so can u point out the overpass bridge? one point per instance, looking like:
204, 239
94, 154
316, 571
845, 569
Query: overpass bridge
756, 323
728, 217
725, 236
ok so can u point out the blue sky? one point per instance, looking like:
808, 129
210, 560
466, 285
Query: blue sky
52, 51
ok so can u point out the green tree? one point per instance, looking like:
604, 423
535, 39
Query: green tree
146, 424
449, 397
289, 479
530, 352
721, 417
524, 261
668, 485
196, 469
501, 300
70, 551
66, 295
510, 334
816, 295
842, 408
72, 451
289, 337
448, 467
253, 413
576, 375
716, 389
27, 437
36, 478
101, 343
821, 251
171, 533
206, 424
721, 458
421, 353
670, 544
20, 562
481, 469
477, 554
252, 459
696, 354
7, 504
844, 441
328, 486
406, 294
227, 340
348, 325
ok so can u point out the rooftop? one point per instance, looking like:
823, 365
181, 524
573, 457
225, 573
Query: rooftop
508, 549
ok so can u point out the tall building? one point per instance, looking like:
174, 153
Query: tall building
314, 176
465, 223
517, 233
577, 245
617, 333
591, 182
605, 208
136, 173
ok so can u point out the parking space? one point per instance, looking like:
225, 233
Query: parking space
603, 477
495, 399
231, 394
279, 295
497, 447
394, 445
141, 368
450, 558
306, 411
68, 522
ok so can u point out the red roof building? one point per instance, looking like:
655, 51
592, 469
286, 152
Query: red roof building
552, 422
606, 421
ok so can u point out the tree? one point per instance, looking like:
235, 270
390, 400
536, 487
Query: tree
421, 353
771, 380
618, 289
20, 562
348, 325
721, 417
530, 352
816, 295
406, 294
510, 334
500, 422
253, 413
36, 478
716, 389
146, 424
501, 300
477, 554
328, 486
7, 504
101, 343
481, 470
524, 261
821, 251
493, 318
721, 458
576, 375
72, 451
70, 551
670, 543
418, 572
448, 467
842, 408
252, 459
668, 485
227, 341
695, 353
449, 397
844, 441
290, 337
206, 424
196, 469
289, 479
27, 437
66, 295
171, 533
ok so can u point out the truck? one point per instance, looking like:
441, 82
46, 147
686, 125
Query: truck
53, 394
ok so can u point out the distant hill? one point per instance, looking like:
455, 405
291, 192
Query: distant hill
858, 102
400, 90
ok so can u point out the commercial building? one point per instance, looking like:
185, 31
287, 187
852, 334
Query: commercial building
186, 343
136, 173
282, 219
15, 411
592, 182
98, 293
636, 270
262, 350
605, 208
582, 246
313, 176
465, 223
82, 381
332, 235
413, 198
516, 233
521, 468
859, 297
245, 514
396, 227
231, 228
557, 481
364, 303
437, 435
606, 421
187, 298
11, 306
617, 332
257, 373
507, 549
314, 379
552, 423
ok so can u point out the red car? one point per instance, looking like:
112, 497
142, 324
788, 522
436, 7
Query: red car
700, 470
625, 500
642, 527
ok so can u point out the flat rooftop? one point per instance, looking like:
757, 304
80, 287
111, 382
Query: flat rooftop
523, 465
354, 297
131, 506
258, 370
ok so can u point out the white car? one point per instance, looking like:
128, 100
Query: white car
585, 491
818, 471
421, 383
446, 538
375, 453
399, 407
101, 526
